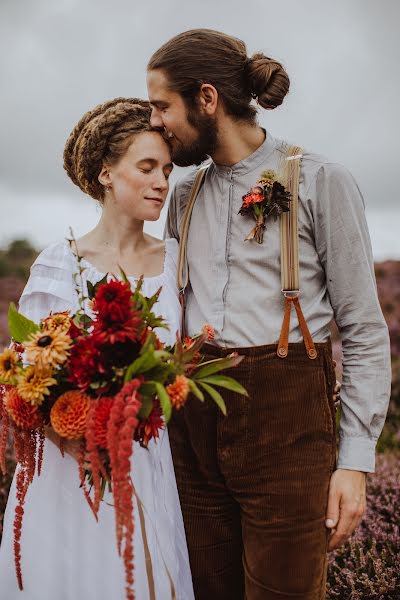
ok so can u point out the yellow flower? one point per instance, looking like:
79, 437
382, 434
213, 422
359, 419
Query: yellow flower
8, 365
35, 385
58, 322
48, 348
268, 177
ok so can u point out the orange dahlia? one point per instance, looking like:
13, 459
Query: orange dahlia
178, 391
8, 365
34, 385
22, 413
48, 348
69, 414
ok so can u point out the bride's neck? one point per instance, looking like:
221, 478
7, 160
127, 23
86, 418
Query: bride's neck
116, 235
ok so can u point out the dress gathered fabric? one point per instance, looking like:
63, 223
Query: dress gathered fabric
66, 554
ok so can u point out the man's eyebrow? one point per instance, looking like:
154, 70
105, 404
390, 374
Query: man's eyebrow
158, 103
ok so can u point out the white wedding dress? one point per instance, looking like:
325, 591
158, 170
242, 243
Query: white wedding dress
66, 554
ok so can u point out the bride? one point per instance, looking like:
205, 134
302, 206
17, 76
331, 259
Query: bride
115, 156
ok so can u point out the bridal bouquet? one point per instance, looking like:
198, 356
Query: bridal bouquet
103, 380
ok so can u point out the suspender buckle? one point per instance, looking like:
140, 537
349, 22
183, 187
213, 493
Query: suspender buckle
291, 293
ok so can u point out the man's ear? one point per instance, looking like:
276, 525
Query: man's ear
208, 99
104, 176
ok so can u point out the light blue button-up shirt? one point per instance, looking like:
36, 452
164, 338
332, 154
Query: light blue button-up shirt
236, 285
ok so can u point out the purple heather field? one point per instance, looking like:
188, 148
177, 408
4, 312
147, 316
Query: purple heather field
368, 566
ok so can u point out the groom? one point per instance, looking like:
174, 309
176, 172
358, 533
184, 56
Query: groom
263, 495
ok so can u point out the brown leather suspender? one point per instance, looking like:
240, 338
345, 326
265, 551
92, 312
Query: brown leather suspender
182, 276
290, 279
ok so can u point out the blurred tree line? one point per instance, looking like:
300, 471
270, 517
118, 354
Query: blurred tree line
16, 259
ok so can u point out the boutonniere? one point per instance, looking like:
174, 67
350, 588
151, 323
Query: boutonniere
267, 199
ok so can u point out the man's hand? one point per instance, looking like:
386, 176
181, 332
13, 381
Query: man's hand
346, 505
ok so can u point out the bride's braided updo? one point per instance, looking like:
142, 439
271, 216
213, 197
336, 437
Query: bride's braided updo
101, 137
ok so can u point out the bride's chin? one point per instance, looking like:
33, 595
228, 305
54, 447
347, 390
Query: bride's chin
153, 217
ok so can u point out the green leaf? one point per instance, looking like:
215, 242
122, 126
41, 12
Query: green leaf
84, 320
163, 355
137, 292
20, 327
225, 382
153, 322
153, 299
123, 274
91, 290
178, 348
143, 363
146, 408
149, 343
161, 372
164, 400
191, 352
148, 390
216, 396
214, 366
195, 390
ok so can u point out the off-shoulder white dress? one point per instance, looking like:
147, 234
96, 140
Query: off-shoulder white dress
66, 555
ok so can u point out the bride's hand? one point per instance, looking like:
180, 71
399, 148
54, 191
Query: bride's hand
71, 447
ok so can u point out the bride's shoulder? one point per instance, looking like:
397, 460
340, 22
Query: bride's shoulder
57, 255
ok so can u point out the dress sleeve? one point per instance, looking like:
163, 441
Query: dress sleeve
50, 287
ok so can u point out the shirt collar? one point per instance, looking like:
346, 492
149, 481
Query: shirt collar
251, 162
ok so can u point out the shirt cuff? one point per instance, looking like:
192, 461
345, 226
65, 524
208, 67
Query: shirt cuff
357, 454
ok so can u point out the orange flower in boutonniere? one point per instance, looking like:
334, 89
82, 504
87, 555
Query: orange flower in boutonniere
267, 199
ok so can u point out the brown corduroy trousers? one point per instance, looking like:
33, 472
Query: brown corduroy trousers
254, 485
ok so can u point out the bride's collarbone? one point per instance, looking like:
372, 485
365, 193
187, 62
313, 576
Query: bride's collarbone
148, 263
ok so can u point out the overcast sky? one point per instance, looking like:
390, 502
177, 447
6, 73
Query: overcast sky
59, 58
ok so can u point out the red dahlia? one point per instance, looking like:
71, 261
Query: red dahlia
113, 331
150, 428
112, 302
85, 362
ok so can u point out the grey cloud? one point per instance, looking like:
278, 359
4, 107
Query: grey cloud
60, 58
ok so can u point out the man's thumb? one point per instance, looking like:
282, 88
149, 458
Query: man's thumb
332, 512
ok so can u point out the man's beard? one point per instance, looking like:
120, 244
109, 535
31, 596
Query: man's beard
200, 149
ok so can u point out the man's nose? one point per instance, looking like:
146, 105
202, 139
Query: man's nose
156, 120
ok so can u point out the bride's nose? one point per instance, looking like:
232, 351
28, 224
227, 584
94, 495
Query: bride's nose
160, 182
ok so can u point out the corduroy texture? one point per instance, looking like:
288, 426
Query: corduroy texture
254, 485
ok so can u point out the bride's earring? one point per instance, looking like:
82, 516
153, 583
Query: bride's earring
107, 189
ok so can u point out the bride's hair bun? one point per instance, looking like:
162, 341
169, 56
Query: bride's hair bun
102, 136
267, 80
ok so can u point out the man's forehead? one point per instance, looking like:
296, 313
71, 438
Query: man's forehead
157, 82
159, 91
